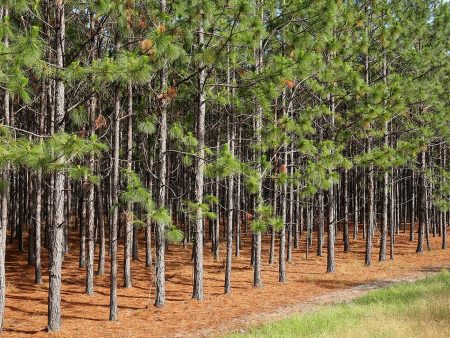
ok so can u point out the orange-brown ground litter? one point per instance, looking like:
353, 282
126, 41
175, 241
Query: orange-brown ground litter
26, 304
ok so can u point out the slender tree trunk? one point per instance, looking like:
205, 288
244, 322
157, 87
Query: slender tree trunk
30, 214
356, 206
216, 222
382, 255
4, 206
4, 224
135, 246
272, 230
330, 238
57, 226
298, 221
443, 214
238, 209
429, 211
148, 228
37, 229
371, 214
257, 282
101, 230
371, 185
21, 219
82, 217
199, 172
321, 222
91, 211
160, 264
129, 218
413, 207
230, 216
38, 191
301, 221
68, 214
384, 225
309, 225
283, 171
115, 207
427, 219
421, 203
346, 231
291, 224
391, 218
282, 242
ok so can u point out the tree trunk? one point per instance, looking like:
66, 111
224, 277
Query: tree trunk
57, 225
135, 246
272, 230
257, 282
330, 238
230, 216
115, 207
391, 218
129, 208
443, 214
422, 203
346, 230
199, 172
282, 254
101, 230
292, 224
382, 255
238, 214
160, 264
4, 208
82, 218
371, 214
413, 207
356, 206
37, 229
91, 210
148, 228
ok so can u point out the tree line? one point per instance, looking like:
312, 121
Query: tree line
200, 122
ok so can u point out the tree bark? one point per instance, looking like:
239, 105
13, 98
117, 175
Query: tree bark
199, 172
330, 238
257, 282
115, 207
57, 225
129, 208
422, 203
230, 216
91, 211
160, 267
4, 207
346, 230
101, 230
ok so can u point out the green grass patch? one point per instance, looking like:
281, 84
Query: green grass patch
418, 309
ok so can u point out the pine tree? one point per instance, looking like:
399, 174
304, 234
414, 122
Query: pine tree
160, 242
56, 228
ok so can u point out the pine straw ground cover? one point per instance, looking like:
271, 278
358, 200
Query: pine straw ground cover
26, 307
417, 309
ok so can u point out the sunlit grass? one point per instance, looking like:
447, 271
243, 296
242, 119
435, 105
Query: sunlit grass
419, 309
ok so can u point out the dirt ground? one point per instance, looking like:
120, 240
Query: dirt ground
26, 303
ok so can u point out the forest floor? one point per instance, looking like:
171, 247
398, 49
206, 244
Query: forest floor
307, 283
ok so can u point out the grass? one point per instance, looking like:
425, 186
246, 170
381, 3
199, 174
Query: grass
418, 309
